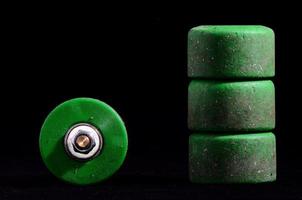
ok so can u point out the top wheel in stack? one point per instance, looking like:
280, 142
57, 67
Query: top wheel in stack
231, 52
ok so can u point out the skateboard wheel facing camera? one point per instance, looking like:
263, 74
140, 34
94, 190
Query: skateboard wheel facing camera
83, 141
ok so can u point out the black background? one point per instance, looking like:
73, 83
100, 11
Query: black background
134, 60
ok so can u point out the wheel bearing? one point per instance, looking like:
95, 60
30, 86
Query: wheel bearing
83, 141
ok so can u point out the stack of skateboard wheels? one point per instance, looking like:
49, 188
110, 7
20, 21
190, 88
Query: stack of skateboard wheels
231, 104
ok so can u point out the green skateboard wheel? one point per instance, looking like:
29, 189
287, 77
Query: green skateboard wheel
231, 106
225, 158
231, 52
83, 141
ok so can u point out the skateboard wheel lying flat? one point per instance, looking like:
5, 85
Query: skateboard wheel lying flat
231, 52
231, 106
83, 141
245, 158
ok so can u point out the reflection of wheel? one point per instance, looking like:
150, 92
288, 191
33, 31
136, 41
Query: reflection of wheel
83, 141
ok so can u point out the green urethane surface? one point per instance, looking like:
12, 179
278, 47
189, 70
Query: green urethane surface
231, 106
227, 158
231, 52
96, 113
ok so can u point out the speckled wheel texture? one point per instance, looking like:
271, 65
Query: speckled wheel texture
231, 52
232, 158
231, 106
